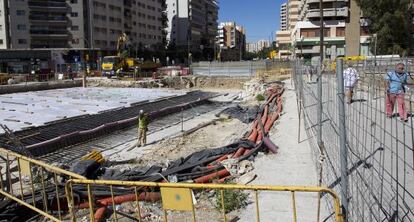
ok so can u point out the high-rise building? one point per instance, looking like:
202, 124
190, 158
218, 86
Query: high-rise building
232, 41
283, 36
192, 24
344, 32
95, 24
251, 47
283, 17
261, 44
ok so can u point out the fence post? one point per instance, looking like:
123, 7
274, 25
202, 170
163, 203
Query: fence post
209, 68
342, 137
250, 69
319, 107
228, 69
300, 94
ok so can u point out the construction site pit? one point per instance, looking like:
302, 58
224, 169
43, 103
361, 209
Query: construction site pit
183, 123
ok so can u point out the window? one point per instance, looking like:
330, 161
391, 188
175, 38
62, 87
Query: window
365, 31
73, 1
314, 32
1, 41
20, 12
21, 27
22, 41
75, 28
1, 27
340, 32
74, 14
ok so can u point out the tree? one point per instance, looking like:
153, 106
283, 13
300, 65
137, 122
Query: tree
391, 20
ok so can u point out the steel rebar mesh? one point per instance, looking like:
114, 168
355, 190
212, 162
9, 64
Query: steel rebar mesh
381, 155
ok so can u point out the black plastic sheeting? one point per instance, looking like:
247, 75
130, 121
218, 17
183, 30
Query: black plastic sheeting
186, 168
244, 114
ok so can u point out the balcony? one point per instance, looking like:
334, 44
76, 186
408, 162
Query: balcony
48, 19
45, 32
60, 6
329, 12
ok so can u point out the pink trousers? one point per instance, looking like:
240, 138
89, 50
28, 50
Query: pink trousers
390, 99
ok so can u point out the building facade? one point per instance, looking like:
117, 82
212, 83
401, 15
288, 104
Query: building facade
95, 24
251, 47
283, 36
283, 17
192, 24
345, 34
231, 39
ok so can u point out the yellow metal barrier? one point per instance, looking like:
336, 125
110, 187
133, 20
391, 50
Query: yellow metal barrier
23, 179
178, 196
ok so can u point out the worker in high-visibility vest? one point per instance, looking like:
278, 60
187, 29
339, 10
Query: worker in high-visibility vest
143, 122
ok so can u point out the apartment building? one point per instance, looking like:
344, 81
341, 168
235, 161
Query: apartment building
345, 33
284, 17
52, 33
192, 24
142, 20
36, 24
283, 36
251, 47
232, 41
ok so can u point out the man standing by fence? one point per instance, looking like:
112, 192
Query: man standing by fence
351, 77
395, 85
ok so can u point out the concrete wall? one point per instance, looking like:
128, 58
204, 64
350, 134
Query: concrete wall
39, 86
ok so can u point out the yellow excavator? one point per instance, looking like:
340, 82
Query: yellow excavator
120, 64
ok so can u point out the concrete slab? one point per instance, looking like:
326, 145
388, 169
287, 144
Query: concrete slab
20, 110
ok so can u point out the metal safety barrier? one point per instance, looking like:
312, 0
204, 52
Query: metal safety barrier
34, 184
174, 197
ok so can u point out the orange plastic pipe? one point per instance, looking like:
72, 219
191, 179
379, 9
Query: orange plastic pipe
210, 177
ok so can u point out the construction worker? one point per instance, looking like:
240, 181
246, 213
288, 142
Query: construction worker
118, 72
143, 122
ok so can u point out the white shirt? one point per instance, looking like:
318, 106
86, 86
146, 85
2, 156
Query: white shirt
350, 77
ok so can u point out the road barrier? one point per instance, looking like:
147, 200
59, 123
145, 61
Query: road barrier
53, 192
34, 184
174, 197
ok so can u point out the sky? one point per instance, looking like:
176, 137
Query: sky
260, 18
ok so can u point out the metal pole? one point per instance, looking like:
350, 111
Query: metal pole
375, 51
182, 119
320, 108
342, 137
300, 94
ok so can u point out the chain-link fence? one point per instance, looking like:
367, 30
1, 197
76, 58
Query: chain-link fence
247, 69
380, 158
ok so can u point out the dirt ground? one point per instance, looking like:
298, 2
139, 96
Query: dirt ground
221, 133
